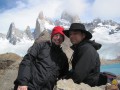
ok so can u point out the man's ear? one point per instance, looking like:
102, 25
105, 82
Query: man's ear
83, 35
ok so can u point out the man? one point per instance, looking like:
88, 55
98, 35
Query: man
85, 59
44, 63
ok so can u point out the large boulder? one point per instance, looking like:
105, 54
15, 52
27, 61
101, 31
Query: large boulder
9, 64
70, 85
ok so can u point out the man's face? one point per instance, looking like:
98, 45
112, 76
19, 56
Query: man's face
58, 39
76, 37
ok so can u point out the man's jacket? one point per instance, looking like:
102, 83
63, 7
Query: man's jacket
41, 66
85, 63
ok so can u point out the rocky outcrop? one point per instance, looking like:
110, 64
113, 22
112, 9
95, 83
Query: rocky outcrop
76, 19
71, 18
44, 36
66, 16
39, 25
70, 85
8, 59
42, 24
10, 56
109, 22
9, 64
66, 19
15, 35
28, 33
105, 23
2, 36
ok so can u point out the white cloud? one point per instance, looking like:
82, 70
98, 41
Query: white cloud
20, 49
75, 6
106, 9
26, 13
23, 15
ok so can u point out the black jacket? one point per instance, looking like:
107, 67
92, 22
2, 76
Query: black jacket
85, 63
41, 66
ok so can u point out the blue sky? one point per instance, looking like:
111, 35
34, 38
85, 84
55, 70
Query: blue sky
9, 4
25, 12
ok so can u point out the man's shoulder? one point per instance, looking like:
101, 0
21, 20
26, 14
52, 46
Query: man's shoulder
39, 45
43, 43
86, 46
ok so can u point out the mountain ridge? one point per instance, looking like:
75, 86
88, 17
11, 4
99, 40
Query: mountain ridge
106, 32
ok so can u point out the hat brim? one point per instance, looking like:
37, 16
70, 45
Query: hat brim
88, 34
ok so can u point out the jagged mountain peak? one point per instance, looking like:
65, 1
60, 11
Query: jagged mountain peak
42, 23
39, 28
11, 30
66, 19
106, 32
104, 22
45, 35
28, 33
12, 24
65, 15
97, 21
110, 22
69, 17
3, 36
15, 35
28, 28
76, 19
41, 15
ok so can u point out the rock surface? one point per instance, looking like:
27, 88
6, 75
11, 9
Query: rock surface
70, 85
9, 64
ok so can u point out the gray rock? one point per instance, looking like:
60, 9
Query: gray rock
29, 33
66, 19
3, 36
14, 35
40, 25
70, 85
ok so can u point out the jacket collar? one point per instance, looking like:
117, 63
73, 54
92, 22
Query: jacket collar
75, 46
55, 47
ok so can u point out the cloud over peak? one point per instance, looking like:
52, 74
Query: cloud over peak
24, 13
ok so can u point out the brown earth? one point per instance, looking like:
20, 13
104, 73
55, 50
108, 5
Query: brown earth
9, 64
104, 62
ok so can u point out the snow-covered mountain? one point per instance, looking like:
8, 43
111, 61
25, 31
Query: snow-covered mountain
66, 19
28, 33
2, 36
108, 34
42, 23
105, 32
96, 22
15, 35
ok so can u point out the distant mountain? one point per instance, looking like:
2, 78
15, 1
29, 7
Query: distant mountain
99, 23
106, 32
42, 23
28, 33
2, 36
15, 35
45, 35
66, 19
70, 18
